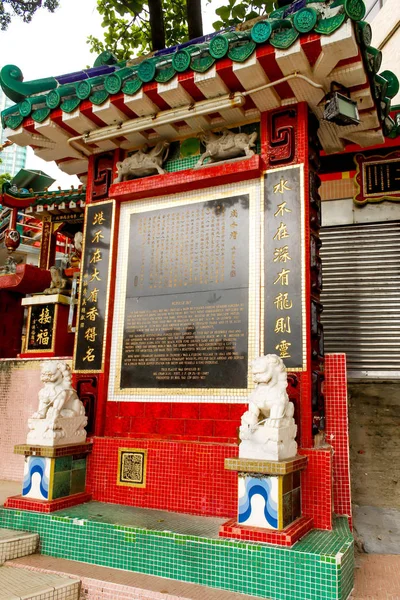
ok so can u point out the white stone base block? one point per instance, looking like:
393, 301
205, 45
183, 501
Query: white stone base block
65, 430
280, 444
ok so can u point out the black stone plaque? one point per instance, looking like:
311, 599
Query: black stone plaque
382, 177
93, 297
41, 328
283, 305
186, 311
377, 178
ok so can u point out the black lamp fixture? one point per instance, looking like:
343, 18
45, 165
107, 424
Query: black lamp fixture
339, 107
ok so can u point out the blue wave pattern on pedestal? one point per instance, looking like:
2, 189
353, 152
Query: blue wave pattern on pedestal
36, 465
261, 487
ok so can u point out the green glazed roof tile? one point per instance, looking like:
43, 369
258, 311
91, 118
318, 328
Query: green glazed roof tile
280, 29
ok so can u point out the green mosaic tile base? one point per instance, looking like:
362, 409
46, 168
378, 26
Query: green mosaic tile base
318, 567
69, 476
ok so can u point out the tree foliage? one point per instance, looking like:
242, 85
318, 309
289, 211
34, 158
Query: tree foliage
3, 178
128, 24
236, 12
25, 9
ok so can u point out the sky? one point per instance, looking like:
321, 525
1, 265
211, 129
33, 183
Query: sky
55, 44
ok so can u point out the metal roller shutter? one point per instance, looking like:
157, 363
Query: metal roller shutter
361, 297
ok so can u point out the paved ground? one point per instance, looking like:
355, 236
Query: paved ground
9, 488
377, 577
378, 529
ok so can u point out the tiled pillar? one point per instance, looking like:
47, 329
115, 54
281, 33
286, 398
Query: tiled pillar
337, 430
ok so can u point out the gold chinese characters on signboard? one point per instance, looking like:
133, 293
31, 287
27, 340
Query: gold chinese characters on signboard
92, 321
283, 266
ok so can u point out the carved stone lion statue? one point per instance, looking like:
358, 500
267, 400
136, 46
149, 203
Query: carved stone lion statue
77, 254
61, 415
57, 397
144, 162
59, 284
9, 267
227, 145
268, 429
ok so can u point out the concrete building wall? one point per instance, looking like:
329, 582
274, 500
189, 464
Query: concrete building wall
374, 418
343, 211
374, 406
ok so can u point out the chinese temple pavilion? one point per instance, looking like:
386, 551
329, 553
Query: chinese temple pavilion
193, 249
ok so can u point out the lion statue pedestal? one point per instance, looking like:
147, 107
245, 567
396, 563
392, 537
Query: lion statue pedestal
56, 449
268, 430
61, 432
268, 467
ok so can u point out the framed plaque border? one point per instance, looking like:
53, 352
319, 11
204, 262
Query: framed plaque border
360, 196
142, 451
28, 331
252, 188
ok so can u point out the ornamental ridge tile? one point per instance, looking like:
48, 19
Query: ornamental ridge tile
45, 197
280, 29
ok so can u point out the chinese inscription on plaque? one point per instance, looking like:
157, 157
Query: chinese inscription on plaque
377, 178
186, 309
41, 325
93, 297
283, 306
132, 467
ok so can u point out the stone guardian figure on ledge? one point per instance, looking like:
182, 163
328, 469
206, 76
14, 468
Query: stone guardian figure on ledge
226, 146
268, 429
60, 418
59, 283
144, 162
77, 254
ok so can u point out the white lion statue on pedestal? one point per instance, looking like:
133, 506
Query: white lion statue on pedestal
268, 429
60, 418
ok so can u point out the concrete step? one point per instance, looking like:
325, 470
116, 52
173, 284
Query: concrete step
24, 584
104, 583
14, 544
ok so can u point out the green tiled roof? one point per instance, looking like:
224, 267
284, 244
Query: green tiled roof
280, 29
45, 198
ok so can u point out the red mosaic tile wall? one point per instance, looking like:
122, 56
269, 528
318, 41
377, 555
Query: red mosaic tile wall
316, 487
190, 477
43, 506
190, 421
337, 430
181, 476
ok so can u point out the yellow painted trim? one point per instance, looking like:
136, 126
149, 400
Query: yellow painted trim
51, 478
